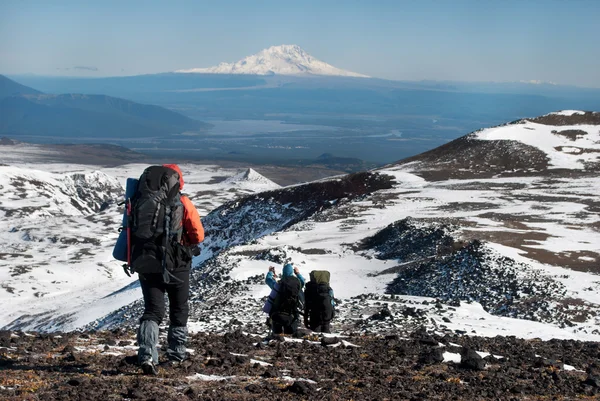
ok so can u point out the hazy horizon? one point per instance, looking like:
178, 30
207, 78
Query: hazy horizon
462, 41
530, 82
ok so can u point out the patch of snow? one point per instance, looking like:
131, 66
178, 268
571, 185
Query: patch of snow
261, 363
567, 112
485, 354
452, 357
201, 377
300, 379
570, 368
472, 318
571, 150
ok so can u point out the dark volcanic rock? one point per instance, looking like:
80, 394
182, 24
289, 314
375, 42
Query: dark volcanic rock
406, 241
593, 381
469, 359
394, 367
477, 273
330, 340
302, 388
383, 314
468, 158
588, 117
251, 217
432, 355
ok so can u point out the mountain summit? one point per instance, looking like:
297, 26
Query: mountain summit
284, 60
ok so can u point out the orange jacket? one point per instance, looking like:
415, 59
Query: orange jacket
193, 232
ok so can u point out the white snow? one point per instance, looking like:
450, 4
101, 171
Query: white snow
202, 377
284, 60
293, 379
570, 368
484, 354
452, 357
562, 151
56, 265
73, 291
473, 319
261, 363
456, 358
249, 180
568, 112
565, 221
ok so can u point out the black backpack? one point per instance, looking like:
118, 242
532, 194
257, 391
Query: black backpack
318, 297
156, 223
289, 299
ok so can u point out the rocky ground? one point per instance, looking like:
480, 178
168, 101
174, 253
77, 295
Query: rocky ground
236, 366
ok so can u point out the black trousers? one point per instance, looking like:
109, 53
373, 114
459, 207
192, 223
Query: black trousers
284, 323
322, 327
154, 288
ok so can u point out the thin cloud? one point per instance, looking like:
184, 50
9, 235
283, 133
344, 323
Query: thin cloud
82, 67
538, 82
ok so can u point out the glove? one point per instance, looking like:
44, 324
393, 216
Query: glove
195, 250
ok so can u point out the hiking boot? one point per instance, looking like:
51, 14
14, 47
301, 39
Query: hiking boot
148, 368
170, 363
276, 337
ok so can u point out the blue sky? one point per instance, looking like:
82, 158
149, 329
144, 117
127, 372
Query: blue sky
555, 41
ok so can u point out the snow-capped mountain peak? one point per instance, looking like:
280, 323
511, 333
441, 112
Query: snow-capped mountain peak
252, 179
284, 60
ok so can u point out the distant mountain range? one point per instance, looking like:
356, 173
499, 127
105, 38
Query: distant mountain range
27, 112
371, 119
250, 96
283, 60
8, 87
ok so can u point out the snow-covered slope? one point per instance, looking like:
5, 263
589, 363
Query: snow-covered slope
486, 256
58, 224
508, 254
284, 60
572, 146
561, 143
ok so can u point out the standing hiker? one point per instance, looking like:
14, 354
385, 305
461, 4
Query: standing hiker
319, 303
286, 298
165, 232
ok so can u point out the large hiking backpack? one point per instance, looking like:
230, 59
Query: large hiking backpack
318, 297
156, 223
289, 299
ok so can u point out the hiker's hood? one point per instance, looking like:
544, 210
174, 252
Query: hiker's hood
176, 168
288, 270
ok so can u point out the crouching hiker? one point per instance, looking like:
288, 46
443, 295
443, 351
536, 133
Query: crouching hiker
286, 299
165, 232
319, 306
